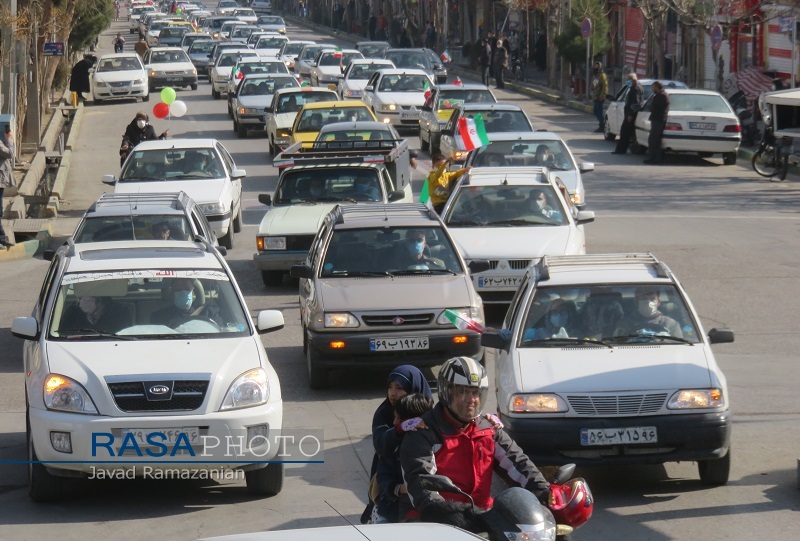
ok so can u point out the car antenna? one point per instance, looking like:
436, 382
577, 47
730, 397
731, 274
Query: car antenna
345, 519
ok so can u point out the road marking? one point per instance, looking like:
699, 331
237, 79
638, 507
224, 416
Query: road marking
695, 216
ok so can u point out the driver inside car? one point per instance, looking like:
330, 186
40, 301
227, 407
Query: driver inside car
647, 318
412, 253
183, 300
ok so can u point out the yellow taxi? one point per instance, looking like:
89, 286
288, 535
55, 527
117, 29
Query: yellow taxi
313, 116
439, 105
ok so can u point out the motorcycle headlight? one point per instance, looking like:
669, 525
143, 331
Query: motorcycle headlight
696, 399
212, 208
65, 394
341, 319
537, 403
250, 389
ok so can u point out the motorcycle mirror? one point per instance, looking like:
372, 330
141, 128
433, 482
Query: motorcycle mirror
564, 474
438, 483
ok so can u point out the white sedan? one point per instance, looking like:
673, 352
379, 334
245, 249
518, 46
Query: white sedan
396, 95
356, 75
329, 65
120, 75
245, 14
281, 113
699, 121
615, 113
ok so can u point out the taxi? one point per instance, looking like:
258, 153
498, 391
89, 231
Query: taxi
313, 116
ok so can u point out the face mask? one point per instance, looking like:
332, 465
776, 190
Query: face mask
141, 124
648, 308
558, 319
182, 299
88, 305
540, 203
316, 192
628, 83
415, 248
361, 188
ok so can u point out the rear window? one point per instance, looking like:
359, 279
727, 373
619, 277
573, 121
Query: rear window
347, 184
294, 101
698, 102
266, 86
506, 206
312, 120
151, 226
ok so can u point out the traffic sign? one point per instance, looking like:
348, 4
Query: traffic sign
586, 28
53, 48
716, 37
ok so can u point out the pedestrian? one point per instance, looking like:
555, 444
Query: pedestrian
6, 176
372, 26
430, 36
119, 43
633, 103
485, 60
500, 64
79, 78
659, 109
382, 26
599, 91
406, 41
141, 47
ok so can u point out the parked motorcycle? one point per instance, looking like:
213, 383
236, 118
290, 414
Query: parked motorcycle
739, 105
771, 159
518, 514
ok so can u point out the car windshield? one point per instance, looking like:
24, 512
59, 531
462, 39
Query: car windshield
173, 32
501, 121
262, 67
244, 12
172, 164
270, 43
242, 32
216, 24
119, 64
292, 49
612, 313
201, 46
372, 51
270, 19
550, 153
365, 71
704, 103
294, 101
404, 83
190, 38
312, 120
148, 304
386, 251
337, 59
505, 206
228, 60
266, 86
450, 98
165, 57
228, 4
309, 53
408, 60
360, 136
156, 26
132, 227
349, 184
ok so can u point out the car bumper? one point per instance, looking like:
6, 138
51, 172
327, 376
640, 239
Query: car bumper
173, 80
253, 120
220, 223
694, 436
396, 120
279, 259
220, 85
356, 351
85, 456
137, 91
684, 143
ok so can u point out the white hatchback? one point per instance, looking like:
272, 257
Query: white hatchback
397, 95
120, 75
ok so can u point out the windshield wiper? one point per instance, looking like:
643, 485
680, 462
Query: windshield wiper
331, 198
555, 340
465, 223
519, 221
93, 333
358, 273
424, 271
649, 336
128, 179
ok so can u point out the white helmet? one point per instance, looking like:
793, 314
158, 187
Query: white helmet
464, 372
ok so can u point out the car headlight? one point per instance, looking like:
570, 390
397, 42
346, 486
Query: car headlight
140, 81
473, 313
537, 403
250, 111
353, 93
100, 84
341, 319
212, 208
250, 389
154, 73
388, 107
271, 243
696, 399
190, 72
65, 394
283, 134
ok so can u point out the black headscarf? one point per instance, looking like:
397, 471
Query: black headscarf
411, 380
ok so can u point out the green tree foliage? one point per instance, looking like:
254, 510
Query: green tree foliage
571, 45
91, 18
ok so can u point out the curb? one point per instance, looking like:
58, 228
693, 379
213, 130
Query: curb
28, 248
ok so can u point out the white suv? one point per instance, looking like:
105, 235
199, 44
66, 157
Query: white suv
202, 168
144, 351
603, 360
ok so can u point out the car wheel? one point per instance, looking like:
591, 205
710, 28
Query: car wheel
230, 109
235, 125
146, 98
715, 471
193, 86
227, 240
265, 481
272, 278
729, 158
317, 375
42, 485
607, 133
423, 145
237, 222
241, 131
214, 94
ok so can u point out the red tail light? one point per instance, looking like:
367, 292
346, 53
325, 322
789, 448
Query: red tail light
733, 128
671, 126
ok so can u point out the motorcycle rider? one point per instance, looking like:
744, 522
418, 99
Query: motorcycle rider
137, 131
467, 448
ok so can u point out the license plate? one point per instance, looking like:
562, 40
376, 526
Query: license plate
630, 435
167, 436
409, 115
489, 282
398, 344
174, 79
702, 126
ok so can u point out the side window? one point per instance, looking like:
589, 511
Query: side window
229, 163
373, 80
621, 94
451, 124
516, 304
388, 186
197, 225
47, 285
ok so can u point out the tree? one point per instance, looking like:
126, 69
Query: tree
571, 45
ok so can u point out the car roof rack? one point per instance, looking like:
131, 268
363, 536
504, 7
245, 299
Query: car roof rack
180, 200
555, 262
385, 211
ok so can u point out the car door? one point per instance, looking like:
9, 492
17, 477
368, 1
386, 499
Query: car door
236, 183
447, 142
314, 73
642, 123
32, 349
368, 96
616, 111
315, 256
272, 126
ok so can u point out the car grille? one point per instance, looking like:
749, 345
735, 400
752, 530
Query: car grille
186, 395
119, 84
172, 73
515, 264
637, 404
299, 243
403, 320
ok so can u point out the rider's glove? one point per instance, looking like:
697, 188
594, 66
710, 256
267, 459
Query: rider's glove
410, 425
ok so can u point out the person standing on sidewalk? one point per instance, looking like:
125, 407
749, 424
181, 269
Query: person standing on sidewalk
500, 64
633, 103
599, 91
6, 177
485, 60
659, 109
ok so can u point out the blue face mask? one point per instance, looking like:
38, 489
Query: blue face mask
182, 299
628, 83
415, 248
558, 319
361, 188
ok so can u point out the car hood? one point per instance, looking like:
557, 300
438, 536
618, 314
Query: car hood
117, 76
255, 101
510, 242
284, 120
303, 219
399, 293
271, 53
355, 84
642, 367
403, 98
304, 137
329, 70
201, 190
223, 71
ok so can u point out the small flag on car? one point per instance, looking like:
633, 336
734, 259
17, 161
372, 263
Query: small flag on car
425, 196
463, 323
458, 81
427, 88
472, 132
446, 56
338, 53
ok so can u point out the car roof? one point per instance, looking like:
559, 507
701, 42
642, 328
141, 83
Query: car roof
384, 61
403, 71
693, 91
250, 52
664, 82
602, 269
512, 176
301, 89
259, 60
119, 204
525, 136
177, 144
465, 86
375, 42
355, 51
249, 76
141, 254
488, 106
334, 104
118, 55
360, 125
384, 215
169, 48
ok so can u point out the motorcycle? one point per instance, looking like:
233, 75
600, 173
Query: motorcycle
518, 514
771, 159
738, 103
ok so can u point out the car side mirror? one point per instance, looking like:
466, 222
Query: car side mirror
26, 328
109, 179
584, 217
495, 340
396, 195
715, 336
369, 88
269, 321
265, 199
609, 97
301, 271
447, 132
479, 265
585, 167
222, 250
268, 109
237, 174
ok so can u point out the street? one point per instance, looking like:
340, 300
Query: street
732, 237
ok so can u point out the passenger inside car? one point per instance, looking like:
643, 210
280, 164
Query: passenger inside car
559, 321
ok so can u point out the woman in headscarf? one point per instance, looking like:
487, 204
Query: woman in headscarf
403, 380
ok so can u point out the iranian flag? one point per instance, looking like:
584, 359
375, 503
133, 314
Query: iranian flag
425, 196
463, 323
338, 53
427, 88
472, 132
